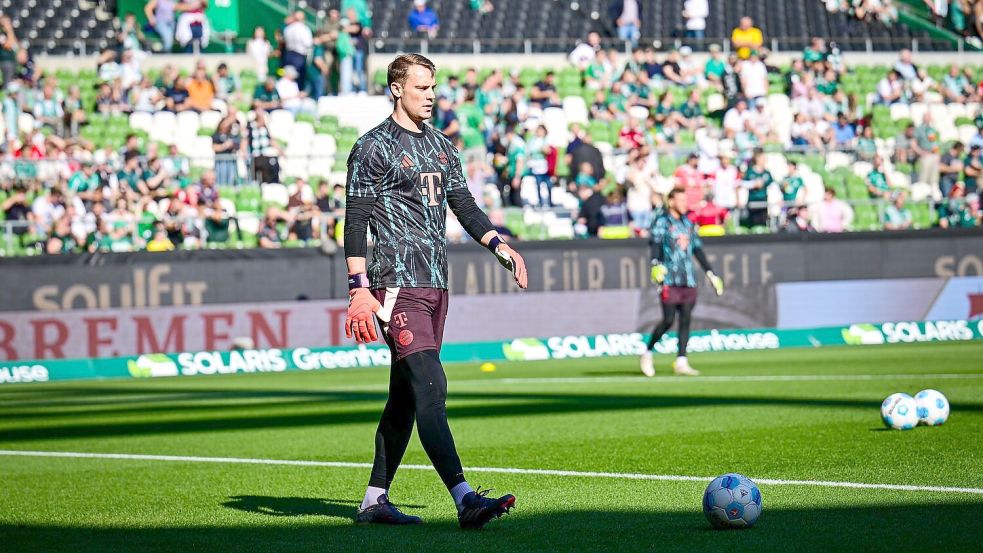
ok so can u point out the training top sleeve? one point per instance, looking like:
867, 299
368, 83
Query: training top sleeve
659, 230
462, 203
366, 169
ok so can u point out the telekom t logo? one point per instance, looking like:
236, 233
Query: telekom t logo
400, 319
430, 186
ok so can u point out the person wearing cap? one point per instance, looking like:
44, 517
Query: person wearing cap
423, 19
746, 37
896, 215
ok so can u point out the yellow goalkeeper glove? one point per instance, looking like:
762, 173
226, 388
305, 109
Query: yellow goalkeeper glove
716, 282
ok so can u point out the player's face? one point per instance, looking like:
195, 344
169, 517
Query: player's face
417, 95
679, 204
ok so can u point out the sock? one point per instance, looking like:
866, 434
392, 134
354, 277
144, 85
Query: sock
682, 358
372, 496
458, 492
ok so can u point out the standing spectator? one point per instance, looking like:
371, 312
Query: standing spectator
263, 150
878, 185
903, 145
445, 118
192, 31
258, 49
792, 186
587, 153
954, 211
345, 52
950, 167
834, 214
536, 162
757, 179
715, 67
129, 35
627, 17
688, 177
160, 15
8, 50
423, 19
359, 49
695, 12
266, 97
896, 215
746, 37
926, 148
331, 28
904, 66
754, 77
973, 165
584, 54
725, 181
298, 40
227, 143
640, 182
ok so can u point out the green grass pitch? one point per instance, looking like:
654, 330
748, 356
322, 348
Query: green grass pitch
595, 415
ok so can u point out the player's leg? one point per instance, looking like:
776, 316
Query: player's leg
668, 318
681, 366
391, 438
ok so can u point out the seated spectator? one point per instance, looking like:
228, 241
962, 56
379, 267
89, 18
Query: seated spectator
973, 167
878, 184
904, 66
302, 218
269, 235
544, 92
691, 113
866, 145
896, 215
631, 136
921, 84
903, 142
201, 91
600, 109
950, 167
957, 85
160, 242
671, 70
445, 119
708, 213
754, 77
746, 37
590, 218
75, 113
132, 177
266, 97
586, 52
423, 19
288, 89
954, 211
614, 212
834, 214
16, 210
890, 89
844, 132
798, 220
793, 187
735, 118
48, 111
177, 98
715, 67
145, 96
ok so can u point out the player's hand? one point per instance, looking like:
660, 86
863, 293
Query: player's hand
716, 282
659, 272
360, 322
511, 260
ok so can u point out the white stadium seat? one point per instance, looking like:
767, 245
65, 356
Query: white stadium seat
209, 119
141, 121
575, 109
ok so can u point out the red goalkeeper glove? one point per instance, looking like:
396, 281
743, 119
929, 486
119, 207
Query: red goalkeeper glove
362, 308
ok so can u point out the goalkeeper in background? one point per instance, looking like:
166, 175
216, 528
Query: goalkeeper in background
674, 244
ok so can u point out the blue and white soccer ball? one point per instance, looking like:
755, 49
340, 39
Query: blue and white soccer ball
732, 501
933, 407
899, 411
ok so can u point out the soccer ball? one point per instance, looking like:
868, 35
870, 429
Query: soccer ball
899, 411
732, 501
932, 407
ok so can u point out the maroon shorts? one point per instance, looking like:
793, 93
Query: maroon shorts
416, 319
676, 295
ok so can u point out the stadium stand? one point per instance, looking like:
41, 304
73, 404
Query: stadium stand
813, 146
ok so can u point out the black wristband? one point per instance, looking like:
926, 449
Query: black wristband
357, 280
494, 243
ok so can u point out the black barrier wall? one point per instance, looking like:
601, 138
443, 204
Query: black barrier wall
206, 277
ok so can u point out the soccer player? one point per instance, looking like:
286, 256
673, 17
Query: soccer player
674, 243
402, 176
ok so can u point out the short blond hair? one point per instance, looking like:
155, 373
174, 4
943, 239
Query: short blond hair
399, 69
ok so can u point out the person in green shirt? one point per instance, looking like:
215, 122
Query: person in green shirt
691, 111
84, 182
515, 166
927, 152
955, 212
715, 67
877, 181
757, 179
828, 83
896, 215
362, 12
815, 52
866, 145
266, 97
132, 176
791, 185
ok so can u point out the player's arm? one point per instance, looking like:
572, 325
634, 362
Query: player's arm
365, 170
701, 257
477, 225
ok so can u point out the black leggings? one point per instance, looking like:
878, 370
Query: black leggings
668, 317
417, 390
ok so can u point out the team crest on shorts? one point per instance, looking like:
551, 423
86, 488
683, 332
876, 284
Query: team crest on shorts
405, 338
442, 158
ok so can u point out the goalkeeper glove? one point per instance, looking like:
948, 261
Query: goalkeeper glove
659, 272
511, 260
360, 322
716, 282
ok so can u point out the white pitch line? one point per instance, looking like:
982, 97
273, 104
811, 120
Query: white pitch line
502, 470
725, 378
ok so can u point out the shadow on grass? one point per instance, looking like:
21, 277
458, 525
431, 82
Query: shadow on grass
345, 408
922, 527
298, 506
